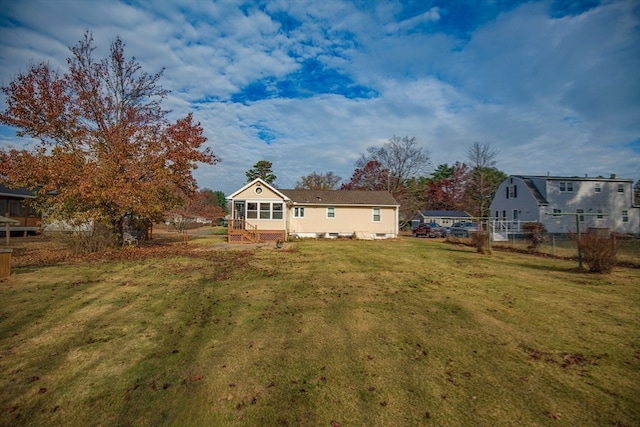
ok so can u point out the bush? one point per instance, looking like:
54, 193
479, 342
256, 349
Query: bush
479, 240
537, 231
598, 252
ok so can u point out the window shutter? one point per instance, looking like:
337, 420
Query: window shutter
507, 188
515, 191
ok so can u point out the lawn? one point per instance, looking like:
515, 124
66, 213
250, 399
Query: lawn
402, 332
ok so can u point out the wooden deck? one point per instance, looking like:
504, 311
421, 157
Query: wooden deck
241, 232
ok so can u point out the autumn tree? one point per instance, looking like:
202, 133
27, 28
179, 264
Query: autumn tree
216, 198
372, 176
447, 188
402, 158
318, 181
262, 170
106, 148
200, 205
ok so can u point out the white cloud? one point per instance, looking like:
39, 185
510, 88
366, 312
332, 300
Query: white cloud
557, 95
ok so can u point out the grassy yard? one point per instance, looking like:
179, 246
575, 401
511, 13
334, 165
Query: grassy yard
403, 332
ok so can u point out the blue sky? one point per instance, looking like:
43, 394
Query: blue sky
309, 85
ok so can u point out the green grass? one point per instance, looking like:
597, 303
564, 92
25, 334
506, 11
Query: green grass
383, 333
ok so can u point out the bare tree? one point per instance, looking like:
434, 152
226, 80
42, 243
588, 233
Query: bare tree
401, 157
316, 181
482, 159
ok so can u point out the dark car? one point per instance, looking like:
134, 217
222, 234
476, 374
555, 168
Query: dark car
429, 229
463, 229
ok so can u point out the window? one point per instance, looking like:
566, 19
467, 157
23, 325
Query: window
252, 210
557, 212
620, 188
298, 212
566, 186
16, 209
515, 214
512, 192
265, 210
276, 211
580, 217
625, 216
599, 214
597, 187
376, 214
331, 212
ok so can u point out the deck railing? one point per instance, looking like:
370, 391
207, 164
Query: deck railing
240, 231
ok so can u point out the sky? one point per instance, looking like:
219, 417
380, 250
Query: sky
552, 86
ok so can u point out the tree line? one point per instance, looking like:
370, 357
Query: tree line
400, 166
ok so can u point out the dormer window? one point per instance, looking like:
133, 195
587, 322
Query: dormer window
566, 186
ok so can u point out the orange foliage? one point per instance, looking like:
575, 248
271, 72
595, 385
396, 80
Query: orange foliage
105, 146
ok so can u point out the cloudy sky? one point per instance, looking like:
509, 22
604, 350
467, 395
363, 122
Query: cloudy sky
553, 86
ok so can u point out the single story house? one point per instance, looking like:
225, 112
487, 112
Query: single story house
260, 212
556, 201
14, 205
442, 217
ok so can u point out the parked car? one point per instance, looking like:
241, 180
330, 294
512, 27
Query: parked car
429, 229
463, 229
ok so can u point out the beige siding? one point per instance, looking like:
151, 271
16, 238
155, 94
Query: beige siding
348, 220
249, 195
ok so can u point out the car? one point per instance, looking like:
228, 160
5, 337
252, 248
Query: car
463, 229
429, 229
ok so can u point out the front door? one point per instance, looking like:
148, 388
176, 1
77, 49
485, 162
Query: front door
238, 209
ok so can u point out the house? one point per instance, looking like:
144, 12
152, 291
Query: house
13, 205
260, 212
443, 218
556, 201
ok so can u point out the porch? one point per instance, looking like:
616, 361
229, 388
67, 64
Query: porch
239, 231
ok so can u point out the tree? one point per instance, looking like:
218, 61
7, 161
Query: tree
315, 181
216, 198
262, 170
198, 206
447, 189
400, 157
372, 176
106, 149
482, 159
482, 188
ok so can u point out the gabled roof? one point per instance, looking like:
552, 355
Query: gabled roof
533, 189
446, 214
262, 183
341, 197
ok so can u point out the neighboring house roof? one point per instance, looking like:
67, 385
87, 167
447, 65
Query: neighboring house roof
535, 191
446, 214
538, 193
17, 192
340, 197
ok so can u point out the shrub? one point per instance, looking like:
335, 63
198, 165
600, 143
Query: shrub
598, 252
537, 231
479, 240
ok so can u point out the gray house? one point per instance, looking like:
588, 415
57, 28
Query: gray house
555, 201
444, 218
